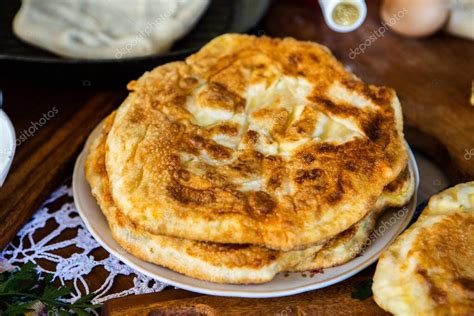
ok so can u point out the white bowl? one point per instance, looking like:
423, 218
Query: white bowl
7, 145
327, 7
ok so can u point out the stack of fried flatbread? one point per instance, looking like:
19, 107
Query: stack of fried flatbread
251, 157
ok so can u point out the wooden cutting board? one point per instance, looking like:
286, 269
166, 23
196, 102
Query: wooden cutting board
334, 300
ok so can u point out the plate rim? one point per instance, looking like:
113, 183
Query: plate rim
10, 145
247, 293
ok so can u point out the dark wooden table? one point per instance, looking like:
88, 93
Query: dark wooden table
432, 77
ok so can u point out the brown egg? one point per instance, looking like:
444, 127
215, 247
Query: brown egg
415, 18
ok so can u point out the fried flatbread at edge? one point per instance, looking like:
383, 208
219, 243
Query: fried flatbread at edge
429, 269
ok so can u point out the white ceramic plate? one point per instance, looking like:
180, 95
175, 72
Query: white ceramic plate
7, 145
389, 226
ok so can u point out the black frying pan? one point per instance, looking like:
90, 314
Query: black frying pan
21, 60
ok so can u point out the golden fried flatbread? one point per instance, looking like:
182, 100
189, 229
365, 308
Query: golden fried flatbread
260, 141
228, 263
429, 269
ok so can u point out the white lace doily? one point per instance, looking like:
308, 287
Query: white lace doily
74, 269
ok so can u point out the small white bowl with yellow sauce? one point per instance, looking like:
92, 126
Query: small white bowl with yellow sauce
343, 15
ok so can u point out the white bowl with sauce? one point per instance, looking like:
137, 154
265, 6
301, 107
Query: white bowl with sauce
343, 15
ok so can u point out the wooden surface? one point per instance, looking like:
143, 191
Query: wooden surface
335, 300
432, 77
45, 157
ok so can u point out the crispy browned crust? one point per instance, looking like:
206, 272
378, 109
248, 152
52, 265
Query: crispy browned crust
171, 173
429, 269
449, 246
223, 263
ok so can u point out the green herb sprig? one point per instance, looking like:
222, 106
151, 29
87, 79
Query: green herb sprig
22, 288
362, 290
